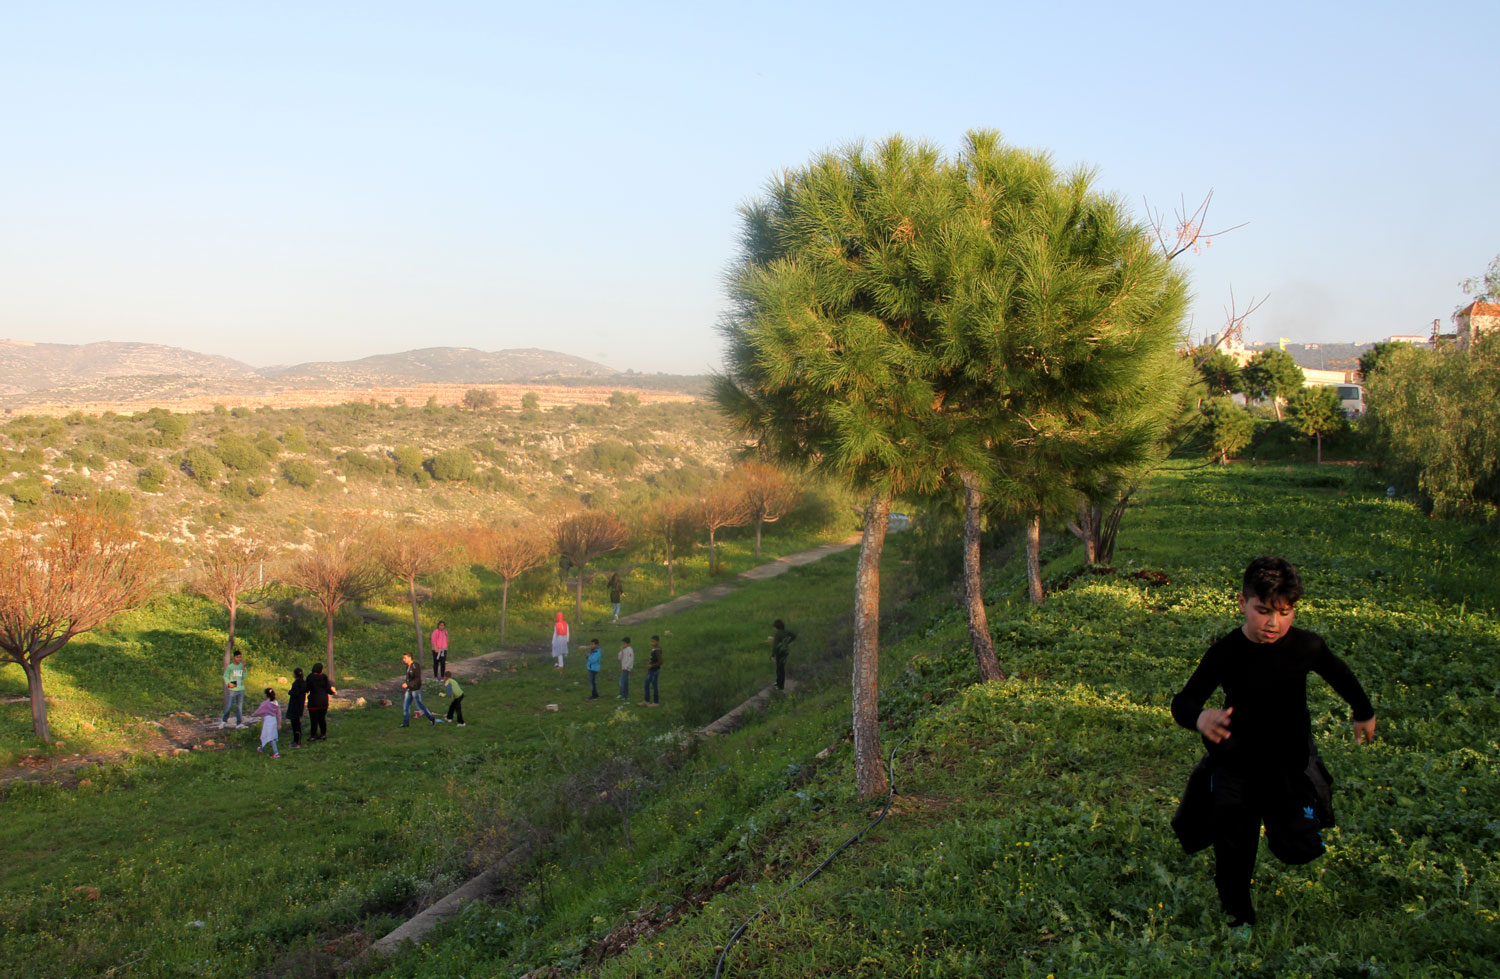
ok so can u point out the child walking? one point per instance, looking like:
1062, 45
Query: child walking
560, 640
456, 705
270, 727
1262, 767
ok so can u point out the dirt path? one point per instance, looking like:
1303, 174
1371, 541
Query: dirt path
183, 731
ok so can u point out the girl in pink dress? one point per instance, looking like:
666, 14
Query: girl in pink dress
271, 726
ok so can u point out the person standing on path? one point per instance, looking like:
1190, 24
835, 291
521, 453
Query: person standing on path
234, 685
319, 689
781, 645
560, 640
413, 687
616, 592
456, 705
653, 671
439, 642
296, 699
270, 727
596, 659
627, 663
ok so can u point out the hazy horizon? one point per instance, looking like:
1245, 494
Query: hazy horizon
333, 181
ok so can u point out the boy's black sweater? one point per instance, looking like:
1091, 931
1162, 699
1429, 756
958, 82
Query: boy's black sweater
1266, 684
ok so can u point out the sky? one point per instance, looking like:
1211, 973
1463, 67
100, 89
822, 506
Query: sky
281, 182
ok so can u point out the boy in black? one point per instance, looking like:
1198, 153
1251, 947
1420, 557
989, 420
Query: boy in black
1262, 766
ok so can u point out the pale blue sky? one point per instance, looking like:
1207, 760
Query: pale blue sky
282, 182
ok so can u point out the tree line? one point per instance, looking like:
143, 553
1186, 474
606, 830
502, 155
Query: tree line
79, 562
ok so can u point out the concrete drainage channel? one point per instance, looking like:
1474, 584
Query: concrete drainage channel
418, 926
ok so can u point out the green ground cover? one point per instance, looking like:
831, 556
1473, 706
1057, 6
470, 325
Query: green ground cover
1031, 834
231, 863
1029, 837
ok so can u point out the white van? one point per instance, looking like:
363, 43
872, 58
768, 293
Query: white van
1352, 397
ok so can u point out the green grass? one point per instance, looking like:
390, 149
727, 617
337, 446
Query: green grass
1031, 834
277, 859
1029, 837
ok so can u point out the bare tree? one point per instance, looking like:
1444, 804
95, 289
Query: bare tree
722, 505
584, 536
80, 566
407, 552
229, 572
510, 552
670, 520
768, 493
335, 571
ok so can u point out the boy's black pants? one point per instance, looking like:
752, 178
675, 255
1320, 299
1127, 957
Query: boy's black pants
1286, 803
456, 708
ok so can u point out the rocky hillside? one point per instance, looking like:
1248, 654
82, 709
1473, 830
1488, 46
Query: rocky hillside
68, 375
28, 367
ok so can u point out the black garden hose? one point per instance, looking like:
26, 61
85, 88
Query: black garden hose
890, 797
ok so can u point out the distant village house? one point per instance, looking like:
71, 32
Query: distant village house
1474, 320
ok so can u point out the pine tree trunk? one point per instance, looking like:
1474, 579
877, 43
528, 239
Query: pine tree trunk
759, 519
39, 723
504, 602
328, 659
1319, 437
671, 584
713, 557
1111, 530
979, 623
578, 598
869, 767
234, 608
1034, 558
416, 617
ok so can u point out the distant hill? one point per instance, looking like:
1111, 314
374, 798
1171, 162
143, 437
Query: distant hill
449, 365
26, 367
59, 374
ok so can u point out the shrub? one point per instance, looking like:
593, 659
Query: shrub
27, 491
479, 398
168, 429
240, 411
294, 439
267, 444
454, 464
408, 460
239, 453
619, 399
152, 478
530, 401
202, 465
613, 457
72, 486
357, 463
299, 472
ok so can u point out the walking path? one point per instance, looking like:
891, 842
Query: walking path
182, 731
760, 573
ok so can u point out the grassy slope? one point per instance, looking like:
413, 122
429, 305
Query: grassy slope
1031, 836
277, 859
